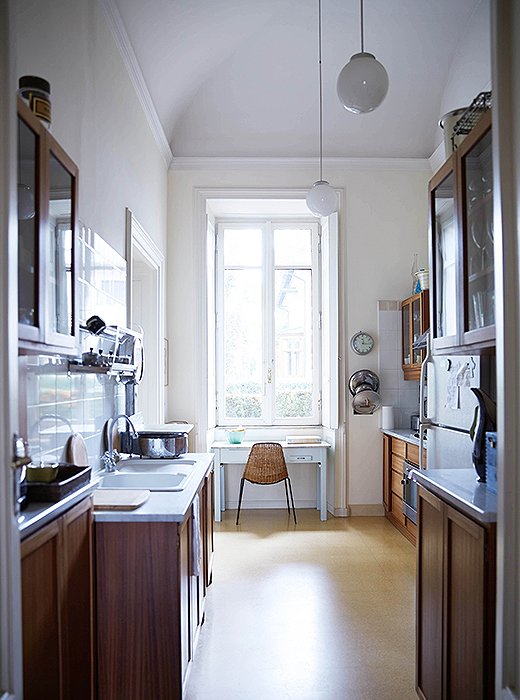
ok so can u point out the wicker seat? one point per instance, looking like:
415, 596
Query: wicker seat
266, 465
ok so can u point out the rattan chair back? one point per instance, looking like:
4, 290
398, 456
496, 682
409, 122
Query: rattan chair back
266, 464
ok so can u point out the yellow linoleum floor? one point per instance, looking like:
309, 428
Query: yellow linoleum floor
313, 611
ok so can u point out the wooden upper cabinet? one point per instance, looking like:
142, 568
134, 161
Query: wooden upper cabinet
415, 321
462, 246
47, 239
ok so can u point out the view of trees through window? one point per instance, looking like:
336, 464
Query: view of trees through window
268, 312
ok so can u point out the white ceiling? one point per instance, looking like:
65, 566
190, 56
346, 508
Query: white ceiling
239, 78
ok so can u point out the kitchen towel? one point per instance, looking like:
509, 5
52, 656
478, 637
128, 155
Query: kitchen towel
196, 541
387, 418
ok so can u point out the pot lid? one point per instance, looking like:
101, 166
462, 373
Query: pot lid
366, 401
363, 376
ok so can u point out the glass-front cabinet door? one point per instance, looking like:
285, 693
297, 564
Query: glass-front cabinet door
444, 253
47, 233
476, 214
61, 235
30, 184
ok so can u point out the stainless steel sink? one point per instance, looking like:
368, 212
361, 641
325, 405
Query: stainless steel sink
153, 481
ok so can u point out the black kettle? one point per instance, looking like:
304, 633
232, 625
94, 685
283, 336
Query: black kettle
485, 421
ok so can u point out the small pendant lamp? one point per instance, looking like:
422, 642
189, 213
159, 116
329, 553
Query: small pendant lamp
363, 82
321, 198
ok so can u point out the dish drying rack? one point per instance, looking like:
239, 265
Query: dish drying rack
481, 103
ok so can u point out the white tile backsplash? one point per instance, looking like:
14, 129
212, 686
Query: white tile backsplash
395, 391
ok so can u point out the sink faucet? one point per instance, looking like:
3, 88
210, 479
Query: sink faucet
111, 455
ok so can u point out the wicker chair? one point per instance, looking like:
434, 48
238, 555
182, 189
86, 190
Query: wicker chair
266, 465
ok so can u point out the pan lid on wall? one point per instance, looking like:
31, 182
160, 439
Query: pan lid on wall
363, 377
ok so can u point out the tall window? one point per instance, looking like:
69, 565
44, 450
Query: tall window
268, 311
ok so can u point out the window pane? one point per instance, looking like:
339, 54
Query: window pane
242, 246
243, 343
292, 246
293, 343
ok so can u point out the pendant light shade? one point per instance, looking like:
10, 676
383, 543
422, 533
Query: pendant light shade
363, 82
321, 198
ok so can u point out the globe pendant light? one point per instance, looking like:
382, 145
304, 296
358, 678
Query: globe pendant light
321, 198
363, 82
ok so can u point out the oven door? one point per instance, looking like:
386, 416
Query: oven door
409, 492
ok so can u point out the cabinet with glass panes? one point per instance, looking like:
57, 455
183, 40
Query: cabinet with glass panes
462, 246
415, 321
47, 232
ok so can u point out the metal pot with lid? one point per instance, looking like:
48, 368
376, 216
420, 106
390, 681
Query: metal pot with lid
364, 387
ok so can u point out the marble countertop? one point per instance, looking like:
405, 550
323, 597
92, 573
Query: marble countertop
459, 488
406, 435
35, 515
164, 506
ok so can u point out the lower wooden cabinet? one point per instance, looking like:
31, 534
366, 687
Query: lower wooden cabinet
395, 451
455, 603
57, 608
151, 601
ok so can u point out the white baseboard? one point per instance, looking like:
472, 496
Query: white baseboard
368, 509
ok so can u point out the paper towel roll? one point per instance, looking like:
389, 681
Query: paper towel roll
387, 417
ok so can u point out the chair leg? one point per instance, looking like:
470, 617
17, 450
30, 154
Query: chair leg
287, 496
240, 498
292, 500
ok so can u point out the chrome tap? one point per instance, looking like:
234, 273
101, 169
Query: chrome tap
111, 456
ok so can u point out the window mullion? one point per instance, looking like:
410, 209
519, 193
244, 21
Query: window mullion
268, 321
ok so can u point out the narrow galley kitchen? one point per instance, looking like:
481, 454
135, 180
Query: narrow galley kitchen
317, 610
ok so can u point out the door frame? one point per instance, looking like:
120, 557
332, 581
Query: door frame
10, 587
137, 239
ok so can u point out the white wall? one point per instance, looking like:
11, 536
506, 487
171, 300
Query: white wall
470, 71
96, 114
383, 222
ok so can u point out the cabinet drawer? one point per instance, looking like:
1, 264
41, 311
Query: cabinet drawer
397, 508
412, 453
397, 463
399, 448
397, 486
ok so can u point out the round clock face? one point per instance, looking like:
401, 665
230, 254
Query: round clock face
362, 343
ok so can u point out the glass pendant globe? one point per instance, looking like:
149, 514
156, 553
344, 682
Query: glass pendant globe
321, 199
362, 84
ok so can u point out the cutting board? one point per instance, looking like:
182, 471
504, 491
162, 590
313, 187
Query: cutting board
76, 451
119, 499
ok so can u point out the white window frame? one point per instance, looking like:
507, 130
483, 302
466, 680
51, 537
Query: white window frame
268, 225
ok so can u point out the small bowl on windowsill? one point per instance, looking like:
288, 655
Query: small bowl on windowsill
236, 435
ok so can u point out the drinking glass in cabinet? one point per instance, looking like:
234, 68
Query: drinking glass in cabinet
445, 257
478, 213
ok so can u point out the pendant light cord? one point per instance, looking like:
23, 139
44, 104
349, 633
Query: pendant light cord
362, 37
321, 90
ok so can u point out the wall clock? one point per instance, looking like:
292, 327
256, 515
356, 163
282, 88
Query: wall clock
362, 343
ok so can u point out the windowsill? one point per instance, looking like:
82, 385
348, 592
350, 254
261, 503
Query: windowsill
262, 432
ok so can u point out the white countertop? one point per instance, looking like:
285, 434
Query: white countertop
164, 506
406, 435
459, 488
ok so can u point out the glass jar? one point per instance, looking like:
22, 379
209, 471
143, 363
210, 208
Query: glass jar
37, 93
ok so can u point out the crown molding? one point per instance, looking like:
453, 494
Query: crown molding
219, 163
135, 73
438, 157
